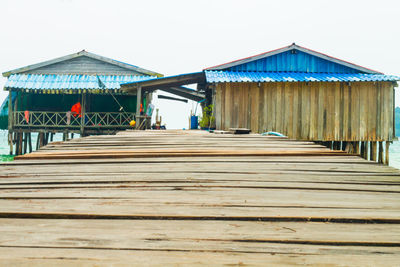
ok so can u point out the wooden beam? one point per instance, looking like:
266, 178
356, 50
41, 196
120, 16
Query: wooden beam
178, 80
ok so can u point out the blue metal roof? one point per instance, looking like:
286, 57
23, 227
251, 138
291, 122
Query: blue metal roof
69, 82
242, 76
289, 61
293, 58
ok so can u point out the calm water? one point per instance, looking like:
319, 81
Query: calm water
4, 148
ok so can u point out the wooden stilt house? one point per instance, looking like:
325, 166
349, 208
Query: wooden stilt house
301, 93
41, 97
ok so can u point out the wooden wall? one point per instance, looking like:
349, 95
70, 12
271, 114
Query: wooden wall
329, 111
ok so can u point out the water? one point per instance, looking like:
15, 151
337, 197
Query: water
5, 148
394, 150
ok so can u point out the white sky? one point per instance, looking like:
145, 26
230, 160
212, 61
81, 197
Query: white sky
182, 36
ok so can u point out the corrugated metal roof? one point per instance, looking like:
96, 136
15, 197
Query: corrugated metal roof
298, 62
293, 58
68, 82
241, 76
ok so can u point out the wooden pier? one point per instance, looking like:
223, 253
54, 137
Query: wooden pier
194, 198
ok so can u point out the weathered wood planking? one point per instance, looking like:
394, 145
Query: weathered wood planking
220, 200
330, 111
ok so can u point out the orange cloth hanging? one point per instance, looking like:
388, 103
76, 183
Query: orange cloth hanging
76, 110
26, 113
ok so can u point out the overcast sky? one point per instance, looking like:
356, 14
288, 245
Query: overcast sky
182, 36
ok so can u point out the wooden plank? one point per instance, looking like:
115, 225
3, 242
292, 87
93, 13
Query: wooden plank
277, 254
145, 233
242, 198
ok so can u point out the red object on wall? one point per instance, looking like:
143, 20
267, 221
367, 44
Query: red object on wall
76, 110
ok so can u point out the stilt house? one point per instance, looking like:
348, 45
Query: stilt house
301, 93
41, 97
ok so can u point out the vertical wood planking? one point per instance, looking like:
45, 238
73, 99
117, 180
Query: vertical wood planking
378, 113
217, 107
337, 101
262, 108
363, 113
355, 112
321, 104
360, 111
288, 114
305, 113
278, 107
346, 111
227, 106
390, 111
272, 101
372, 111
296, 123
313, 111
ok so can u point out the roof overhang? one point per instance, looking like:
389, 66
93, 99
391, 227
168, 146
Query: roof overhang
264, 77
171, 84
178, 80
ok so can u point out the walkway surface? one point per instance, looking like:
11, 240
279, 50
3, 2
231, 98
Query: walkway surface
192, 198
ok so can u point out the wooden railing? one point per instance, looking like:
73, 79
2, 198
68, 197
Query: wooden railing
44, 119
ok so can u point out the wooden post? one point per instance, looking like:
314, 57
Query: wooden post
387, 144
19, 144
380, 153
366, 149
30, 142
83, 113
344, 146
138, 102
47, 138
51, 137
11, 142
10, 122
16, 135
362, 149
38, 142
25, 135
357, 147
373, 151
65, 136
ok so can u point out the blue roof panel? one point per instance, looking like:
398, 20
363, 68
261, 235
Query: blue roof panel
295, 62
67, 82
248, 76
